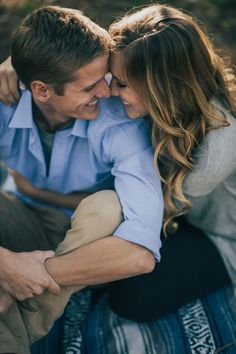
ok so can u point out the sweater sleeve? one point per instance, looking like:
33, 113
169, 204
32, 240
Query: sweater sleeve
214, 160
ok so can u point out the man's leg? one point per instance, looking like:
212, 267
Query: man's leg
20, 230
97, 216
13, 334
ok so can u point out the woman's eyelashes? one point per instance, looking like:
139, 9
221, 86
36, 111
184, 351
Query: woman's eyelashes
121, 85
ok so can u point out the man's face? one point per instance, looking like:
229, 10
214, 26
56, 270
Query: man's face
79, 99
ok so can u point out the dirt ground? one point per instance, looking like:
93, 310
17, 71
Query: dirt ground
219, 16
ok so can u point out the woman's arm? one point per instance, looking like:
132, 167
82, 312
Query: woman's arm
9, 90
71, 200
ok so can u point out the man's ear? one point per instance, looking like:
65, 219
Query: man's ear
41, 91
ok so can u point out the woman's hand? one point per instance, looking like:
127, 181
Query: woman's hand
23, 184
9, 90
71, 200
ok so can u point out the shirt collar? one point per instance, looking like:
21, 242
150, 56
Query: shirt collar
23, 117
80, 128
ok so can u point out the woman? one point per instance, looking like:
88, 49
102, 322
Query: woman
165, 68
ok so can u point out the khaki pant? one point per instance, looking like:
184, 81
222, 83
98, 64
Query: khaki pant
29, 228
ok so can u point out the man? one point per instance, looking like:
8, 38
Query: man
65, 135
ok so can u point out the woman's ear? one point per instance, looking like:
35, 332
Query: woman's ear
41, 91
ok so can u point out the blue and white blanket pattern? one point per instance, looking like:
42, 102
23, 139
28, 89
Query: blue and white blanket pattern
204, 326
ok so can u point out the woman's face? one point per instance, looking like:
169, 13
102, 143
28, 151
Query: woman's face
119, 87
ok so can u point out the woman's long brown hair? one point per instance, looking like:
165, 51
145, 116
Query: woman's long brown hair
172, 65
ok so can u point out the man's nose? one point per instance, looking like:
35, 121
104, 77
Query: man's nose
103, 89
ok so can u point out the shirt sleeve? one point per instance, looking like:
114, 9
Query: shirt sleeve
137, 184
214, 161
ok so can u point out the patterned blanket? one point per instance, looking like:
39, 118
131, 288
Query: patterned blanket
204, 326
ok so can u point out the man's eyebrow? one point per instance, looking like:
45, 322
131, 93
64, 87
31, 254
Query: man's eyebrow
95, 83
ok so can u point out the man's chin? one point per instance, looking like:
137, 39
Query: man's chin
88, 116
92, 115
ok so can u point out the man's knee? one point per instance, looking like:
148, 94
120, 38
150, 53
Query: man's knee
109, 207
96, 216
104, 206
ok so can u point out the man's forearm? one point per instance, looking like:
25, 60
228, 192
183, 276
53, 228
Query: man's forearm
101, 261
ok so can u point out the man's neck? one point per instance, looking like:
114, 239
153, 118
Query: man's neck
46, 119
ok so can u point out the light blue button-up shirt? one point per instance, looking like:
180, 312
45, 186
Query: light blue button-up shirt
111, 152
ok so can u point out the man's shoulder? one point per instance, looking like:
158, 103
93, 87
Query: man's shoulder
116, 133
112, 117
111, 113
6, 113
7, 110
16, 112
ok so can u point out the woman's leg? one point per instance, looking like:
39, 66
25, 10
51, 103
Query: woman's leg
190, 267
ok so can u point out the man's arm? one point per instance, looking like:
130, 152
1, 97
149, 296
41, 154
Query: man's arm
130, 251
9, 90
136, 182
101, 261
112, 258
71, 200
23, 275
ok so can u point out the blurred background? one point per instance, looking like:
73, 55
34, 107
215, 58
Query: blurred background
218, 16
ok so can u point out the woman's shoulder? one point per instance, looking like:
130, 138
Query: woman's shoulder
221, 110
223, 134
214, 159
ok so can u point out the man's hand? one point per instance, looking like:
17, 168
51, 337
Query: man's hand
9, 90
23, 275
